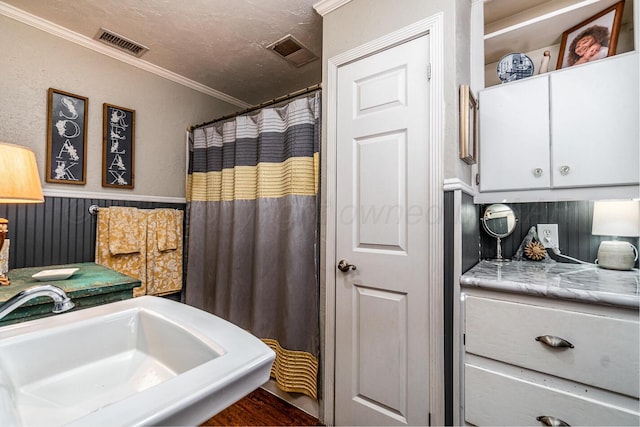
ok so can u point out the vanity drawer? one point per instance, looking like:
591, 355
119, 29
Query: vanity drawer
493, 398
605, 354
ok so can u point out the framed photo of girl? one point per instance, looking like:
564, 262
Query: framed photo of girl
593, 39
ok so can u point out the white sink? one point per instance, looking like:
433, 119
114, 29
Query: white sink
142, 361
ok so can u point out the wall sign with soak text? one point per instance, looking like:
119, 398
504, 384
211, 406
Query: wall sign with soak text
118, 146
66, 137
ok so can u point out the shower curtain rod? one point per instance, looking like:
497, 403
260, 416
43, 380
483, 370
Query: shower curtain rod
274, 101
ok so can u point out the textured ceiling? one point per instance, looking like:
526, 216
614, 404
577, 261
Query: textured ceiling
218, 43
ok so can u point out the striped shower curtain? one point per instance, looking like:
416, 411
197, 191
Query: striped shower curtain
252, 215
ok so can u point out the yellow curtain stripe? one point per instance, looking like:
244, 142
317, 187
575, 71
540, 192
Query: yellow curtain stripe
294, 371
316, 169
294, 176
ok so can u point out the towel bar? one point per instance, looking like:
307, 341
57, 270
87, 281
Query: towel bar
93, 209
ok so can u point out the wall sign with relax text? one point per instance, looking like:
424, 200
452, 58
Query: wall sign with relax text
118, 146
66, 137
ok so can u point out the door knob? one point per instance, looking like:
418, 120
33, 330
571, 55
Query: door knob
345, 266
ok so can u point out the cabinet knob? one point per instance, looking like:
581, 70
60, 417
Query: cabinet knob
552, 341
551, 421
537, 172
564, 170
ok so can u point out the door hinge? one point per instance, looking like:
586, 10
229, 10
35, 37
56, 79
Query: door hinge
477, 179
429, 418
464, 339
429, 71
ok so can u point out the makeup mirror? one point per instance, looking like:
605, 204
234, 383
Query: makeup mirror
499, 221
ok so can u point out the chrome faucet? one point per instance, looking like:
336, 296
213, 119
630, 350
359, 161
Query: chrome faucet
61, 302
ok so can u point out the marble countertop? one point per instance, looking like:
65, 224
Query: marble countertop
577, 282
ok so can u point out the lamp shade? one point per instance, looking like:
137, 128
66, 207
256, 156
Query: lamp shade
616, 218
19, 179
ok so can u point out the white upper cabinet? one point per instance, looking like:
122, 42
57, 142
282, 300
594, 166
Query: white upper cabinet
594, 124
514, 136
576, 127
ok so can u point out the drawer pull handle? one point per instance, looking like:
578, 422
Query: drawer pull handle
552, 341
551, 421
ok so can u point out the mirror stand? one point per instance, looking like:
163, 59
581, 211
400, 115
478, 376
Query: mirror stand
499, 257
499, 221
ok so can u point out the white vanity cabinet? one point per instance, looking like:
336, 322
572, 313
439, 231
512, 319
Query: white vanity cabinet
517, 371
576, 127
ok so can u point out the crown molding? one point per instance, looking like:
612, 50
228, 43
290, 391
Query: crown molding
84, 41
325, 6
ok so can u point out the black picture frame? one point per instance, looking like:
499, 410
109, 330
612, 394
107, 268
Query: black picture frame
66, 138
118, 146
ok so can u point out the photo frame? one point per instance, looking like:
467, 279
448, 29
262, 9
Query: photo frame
66, 137
468, 126
592, 39
118, 146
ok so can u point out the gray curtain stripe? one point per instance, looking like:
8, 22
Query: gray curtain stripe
298, 141
253, 267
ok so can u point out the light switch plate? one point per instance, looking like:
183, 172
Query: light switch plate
548, 235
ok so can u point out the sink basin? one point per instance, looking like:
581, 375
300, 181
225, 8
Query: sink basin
141, 361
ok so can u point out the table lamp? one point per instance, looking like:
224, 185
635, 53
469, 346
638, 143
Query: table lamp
620, 218
19, 183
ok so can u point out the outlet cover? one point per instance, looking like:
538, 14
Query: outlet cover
548, 235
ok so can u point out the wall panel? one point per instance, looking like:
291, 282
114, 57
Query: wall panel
58, 231
574, 219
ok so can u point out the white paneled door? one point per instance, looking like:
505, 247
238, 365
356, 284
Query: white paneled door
382, 214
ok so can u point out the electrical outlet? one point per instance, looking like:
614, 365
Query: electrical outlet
548, 235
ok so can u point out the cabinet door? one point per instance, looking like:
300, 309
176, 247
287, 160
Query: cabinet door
594, 122
514, 136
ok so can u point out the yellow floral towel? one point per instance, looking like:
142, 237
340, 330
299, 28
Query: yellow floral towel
131, 264
164, 267
125, 236
168, 225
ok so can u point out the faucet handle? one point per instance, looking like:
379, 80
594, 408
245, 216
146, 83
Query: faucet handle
62, 306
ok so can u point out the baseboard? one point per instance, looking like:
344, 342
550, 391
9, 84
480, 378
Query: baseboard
300, 401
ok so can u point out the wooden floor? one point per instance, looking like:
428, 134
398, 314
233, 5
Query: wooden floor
261, 408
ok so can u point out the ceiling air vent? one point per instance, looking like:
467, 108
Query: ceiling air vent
119, 42
292, 50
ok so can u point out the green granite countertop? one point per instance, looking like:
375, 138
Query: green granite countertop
91, 285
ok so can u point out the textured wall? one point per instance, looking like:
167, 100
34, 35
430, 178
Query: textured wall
33, 61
